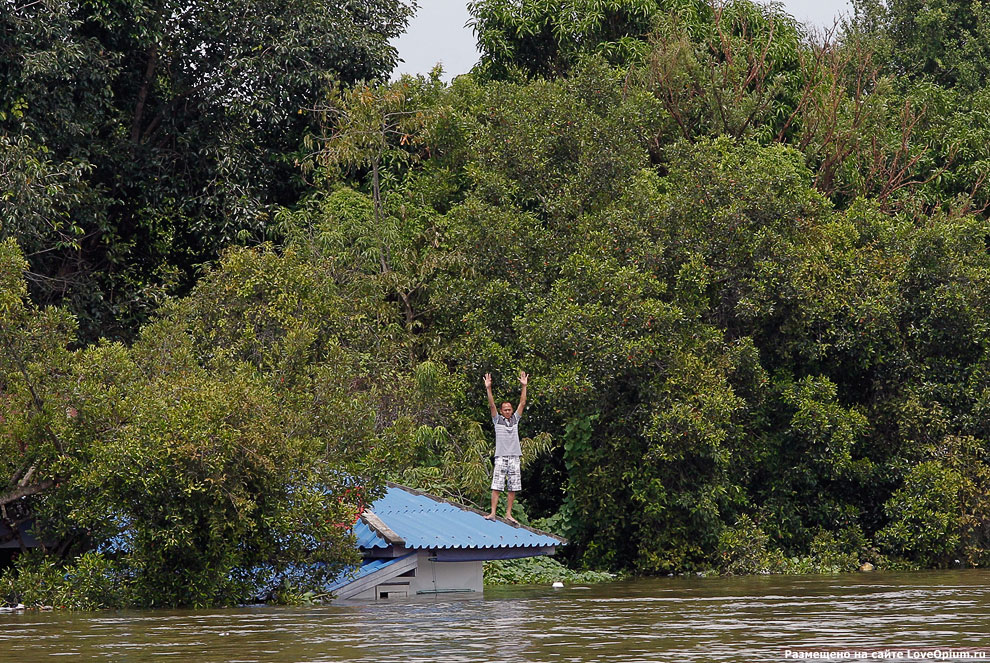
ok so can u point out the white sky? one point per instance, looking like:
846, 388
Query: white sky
437, 33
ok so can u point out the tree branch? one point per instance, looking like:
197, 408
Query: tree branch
143, 94
24, 491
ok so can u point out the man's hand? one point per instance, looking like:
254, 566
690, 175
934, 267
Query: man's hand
523, 380
491, 399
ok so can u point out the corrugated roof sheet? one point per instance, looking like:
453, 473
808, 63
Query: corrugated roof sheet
425, 521
366, 569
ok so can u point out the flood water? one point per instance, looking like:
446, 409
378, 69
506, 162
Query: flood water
880, 616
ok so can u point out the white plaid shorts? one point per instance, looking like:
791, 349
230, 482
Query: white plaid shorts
507, 471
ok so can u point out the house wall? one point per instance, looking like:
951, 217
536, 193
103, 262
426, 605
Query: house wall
367, 595
429, 577
441, 577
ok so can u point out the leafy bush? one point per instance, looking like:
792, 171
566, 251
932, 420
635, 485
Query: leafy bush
89, 582
840, 552
541, 570
925, 516
746, 549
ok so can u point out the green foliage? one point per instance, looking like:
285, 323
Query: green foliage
538, 571
711, 340
745, 266
210, 458
746, 549
842, 551
939, 514
945, 40
546, 39
90, 582
923, 515
138, 138
728, 68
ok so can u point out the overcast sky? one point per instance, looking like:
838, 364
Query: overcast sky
438, 33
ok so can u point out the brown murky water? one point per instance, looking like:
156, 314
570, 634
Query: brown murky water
920, 616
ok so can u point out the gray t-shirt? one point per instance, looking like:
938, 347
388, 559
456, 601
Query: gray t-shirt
507, 435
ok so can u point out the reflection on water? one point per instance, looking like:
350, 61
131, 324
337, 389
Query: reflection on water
668, 619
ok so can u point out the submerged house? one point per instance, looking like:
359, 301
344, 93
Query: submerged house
414, 543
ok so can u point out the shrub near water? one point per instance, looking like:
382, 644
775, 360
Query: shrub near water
746, 549
208, 458
541, 570
91, 582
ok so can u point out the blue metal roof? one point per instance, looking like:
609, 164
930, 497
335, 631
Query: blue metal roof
366, 569
424, 521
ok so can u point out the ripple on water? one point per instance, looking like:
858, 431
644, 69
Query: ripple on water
670, 619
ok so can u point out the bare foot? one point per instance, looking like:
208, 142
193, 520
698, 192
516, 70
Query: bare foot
511, 519
490, 516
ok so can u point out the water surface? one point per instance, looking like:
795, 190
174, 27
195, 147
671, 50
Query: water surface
666, 619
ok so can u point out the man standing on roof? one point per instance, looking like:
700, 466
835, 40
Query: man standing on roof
507, 449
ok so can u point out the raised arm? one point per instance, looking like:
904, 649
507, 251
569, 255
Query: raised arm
491, 399
523, 380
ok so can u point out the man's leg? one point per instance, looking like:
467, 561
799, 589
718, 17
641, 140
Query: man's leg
514, 481
491, 515
499, 470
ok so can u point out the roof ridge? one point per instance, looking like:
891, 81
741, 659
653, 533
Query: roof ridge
380, 528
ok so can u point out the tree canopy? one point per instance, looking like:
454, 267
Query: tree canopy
140, 137
745, 265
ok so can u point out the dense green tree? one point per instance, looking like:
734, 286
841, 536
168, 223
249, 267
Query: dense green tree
712, 340
944, 40
139, 137
534, 38
735, 69
746, 267
709, 341
221, 457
